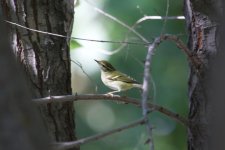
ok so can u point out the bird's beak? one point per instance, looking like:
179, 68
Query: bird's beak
96, 61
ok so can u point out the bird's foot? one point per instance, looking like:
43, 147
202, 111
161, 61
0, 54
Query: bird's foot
109, 94
116, 101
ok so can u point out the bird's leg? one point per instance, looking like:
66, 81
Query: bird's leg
111, 93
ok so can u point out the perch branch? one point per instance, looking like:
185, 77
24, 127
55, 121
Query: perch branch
154, 107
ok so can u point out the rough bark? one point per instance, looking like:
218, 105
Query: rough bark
206, 87
21, 127
45, 58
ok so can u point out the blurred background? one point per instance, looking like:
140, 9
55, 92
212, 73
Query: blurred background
169, 72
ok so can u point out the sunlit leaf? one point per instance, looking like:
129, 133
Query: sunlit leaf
74, 44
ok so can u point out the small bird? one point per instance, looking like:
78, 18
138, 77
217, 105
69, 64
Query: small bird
116, 80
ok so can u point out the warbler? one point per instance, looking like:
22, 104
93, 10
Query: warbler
116, 80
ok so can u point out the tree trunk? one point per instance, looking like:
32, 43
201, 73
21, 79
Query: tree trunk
21, 127
206, 87
45, 58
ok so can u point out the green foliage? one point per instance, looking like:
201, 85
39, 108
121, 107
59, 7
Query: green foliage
74, 44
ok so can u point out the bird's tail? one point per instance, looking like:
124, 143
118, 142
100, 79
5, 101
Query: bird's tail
138, 86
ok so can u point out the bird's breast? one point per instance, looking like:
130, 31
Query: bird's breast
107, 79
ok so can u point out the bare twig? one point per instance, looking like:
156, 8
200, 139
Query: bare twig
154, 107
130, 29
76, 38
116, 50
124, 43
118, 21
145, 109
160, 18
81, 67
145, 88
145, 18
195, 60
72, 144
165, 20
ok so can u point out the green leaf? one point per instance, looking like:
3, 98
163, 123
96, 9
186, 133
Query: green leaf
74, 44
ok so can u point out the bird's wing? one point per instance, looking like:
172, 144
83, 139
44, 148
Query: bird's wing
122, 77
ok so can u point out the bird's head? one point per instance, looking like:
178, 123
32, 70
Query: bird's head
105, 66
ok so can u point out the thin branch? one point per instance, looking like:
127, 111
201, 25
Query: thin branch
145, 88
89, 77
167, 12
124, 43
160, 18
153, 107
118, 21
145, 18
116, 50
75, 38
72, 144
145, 109
194, 59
